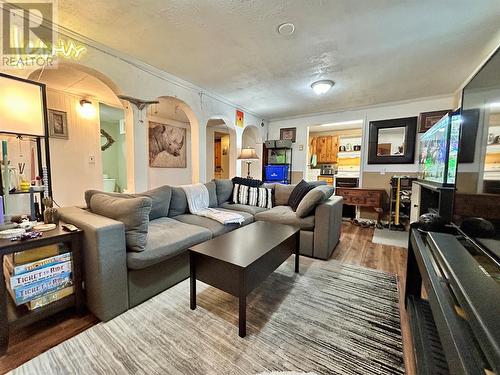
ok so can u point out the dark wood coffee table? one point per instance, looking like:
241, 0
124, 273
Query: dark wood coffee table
238, 261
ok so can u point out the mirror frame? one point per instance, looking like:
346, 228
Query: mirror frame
410, 125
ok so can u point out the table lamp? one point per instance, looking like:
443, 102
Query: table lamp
248, 154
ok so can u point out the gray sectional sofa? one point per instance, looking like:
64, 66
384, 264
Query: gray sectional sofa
117, 279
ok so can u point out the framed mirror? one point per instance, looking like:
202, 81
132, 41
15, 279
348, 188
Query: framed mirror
392, 141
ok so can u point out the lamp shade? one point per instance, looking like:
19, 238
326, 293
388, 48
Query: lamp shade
248, 153
21, 107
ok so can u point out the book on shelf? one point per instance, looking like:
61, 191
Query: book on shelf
50, 297
32, 291
32, 255
25, 279
29, 267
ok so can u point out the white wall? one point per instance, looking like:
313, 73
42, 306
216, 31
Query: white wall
382, 112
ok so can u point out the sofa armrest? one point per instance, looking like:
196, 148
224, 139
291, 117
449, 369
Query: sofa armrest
105, 261
327, 227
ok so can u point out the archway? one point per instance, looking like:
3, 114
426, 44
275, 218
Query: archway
220, 149
251, 137
173, 143
76, 154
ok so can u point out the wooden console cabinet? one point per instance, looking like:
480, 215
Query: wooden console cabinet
364, 198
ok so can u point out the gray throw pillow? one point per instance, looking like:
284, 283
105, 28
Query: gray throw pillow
313, 198
160, 198
132, 212
212, 194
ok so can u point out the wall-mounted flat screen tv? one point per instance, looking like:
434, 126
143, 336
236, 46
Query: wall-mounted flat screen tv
438, 151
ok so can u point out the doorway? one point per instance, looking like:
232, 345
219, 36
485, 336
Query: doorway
113, 148
221, 155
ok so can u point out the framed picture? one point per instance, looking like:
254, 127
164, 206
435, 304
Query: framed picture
428, 119
167, 146
58, 124
288, 134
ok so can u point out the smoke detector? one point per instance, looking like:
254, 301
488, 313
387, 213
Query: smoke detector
286, 29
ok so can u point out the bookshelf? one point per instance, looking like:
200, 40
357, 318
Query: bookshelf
14, 317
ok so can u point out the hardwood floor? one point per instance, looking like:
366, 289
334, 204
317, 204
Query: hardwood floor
355, 248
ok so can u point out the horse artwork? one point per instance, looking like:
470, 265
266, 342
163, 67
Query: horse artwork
167, 146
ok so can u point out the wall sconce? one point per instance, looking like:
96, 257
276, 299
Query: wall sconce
86, 109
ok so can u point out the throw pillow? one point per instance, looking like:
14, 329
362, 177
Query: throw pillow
132, 212
160, 197
313, 198
253, 196
282, 194
298, 193
247, 181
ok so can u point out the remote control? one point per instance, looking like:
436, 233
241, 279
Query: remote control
70, 227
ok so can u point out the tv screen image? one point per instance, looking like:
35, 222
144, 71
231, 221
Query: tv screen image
432, 152
456, 123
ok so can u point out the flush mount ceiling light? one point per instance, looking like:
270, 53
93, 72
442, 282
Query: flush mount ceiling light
322, 87
286, 28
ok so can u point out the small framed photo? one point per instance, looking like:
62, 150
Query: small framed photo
288, 134
58, 124
428, 119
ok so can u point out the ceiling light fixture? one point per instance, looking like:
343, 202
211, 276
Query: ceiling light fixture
322, 87
286, 28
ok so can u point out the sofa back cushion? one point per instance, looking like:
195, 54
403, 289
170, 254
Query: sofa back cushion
212, 194
160, 199
282, 194
314, 197
178, 203
224, 190
132, 212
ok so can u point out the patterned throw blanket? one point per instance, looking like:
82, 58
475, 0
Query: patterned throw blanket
198, 202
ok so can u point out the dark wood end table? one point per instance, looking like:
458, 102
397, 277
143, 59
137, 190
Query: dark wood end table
12, 317
238, 261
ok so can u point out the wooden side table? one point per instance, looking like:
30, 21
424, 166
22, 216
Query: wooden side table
12, 317
373, 198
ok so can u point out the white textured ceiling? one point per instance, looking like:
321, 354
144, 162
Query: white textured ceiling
376, 51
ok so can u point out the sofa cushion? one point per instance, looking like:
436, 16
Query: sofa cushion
160, 198
314, 197
212, 194
242, 207
167, 237
224, 189
132, 212
178, 203
282, 193
298, 193
214, 226
285, 215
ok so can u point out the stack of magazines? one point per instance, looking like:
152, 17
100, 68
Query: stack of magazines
39, 276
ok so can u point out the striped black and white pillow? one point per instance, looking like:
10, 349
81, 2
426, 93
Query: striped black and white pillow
253, 196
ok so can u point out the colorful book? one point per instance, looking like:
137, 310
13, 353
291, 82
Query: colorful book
28, 278
28, 256
29, 267
50, 297
32, 291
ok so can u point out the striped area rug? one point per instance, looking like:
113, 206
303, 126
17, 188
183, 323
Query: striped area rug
331, 319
